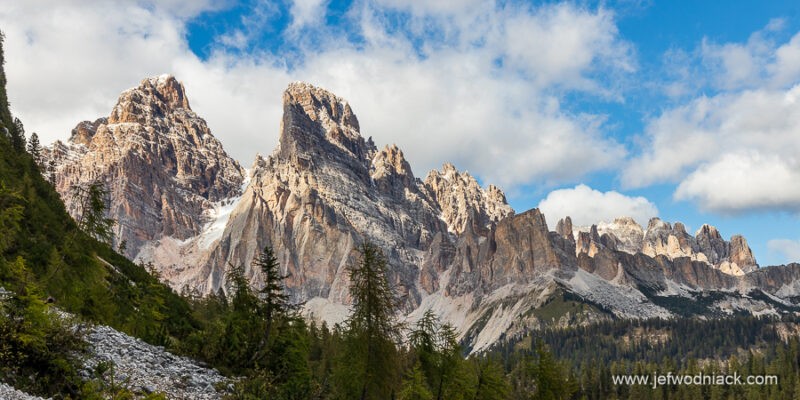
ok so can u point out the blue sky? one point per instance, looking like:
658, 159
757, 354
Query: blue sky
680, 109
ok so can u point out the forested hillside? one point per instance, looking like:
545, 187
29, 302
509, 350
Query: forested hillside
44, 255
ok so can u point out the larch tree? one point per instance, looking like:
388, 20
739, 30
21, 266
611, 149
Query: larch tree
369, 363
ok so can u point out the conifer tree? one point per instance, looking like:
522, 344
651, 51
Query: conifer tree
18, 135
451, 364
491, 382
414, 386
274, 301
91, 201
369, 364
35, 149
423, 340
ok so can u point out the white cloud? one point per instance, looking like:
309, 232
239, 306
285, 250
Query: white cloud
736, 182
736, 150
306, 12
426, 8
559, 45
587, 206
788, 250
480, 91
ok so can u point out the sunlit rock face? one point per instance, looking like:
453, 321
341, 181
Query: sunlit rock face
452, 245
158, 159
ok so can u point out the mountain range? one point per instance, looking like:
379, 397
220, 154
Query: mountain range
453, 247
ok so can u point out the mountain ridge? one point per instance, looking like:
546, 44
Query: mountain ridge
453, 246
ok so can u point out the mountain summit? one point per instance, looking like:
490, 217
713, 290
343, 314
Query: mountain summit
453, 247
160, 162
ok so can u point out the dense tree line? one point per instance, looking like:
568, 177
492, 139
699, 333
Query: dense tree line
260, 336
653, 340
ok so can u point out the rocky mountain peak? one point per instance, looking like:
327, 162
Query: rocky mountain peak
626, 221
154, 98
318, 124
320, 104
258, 162
708, 231
391, 172
459, 194
741, 255
664, 239
390, 160
85, 131
564, 228
656, 224
161, 164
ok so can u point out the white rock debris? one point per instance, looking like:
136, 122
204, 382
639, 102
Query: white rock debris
144, 368
9, 393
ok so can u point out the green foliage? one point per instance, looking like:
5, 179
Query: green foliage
35, 149
552, 379
439, 355
372, 332
92, 220
37, 350
44, 253
491, 381
255, 334
414, 386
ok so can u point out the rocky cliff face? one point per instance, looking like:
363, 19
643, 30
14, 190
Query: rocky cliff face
462, 201
453, 247
159, 161
732, 257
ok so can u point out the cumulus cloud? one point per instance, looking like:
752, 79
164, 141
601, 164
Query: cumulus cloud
736, 182
788, 250
736, 150
475, 84
587, 206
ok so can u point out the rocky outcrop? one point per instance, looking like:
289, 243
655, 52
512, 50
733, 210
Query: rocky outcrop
564, 228
672, 241
741, 255
326, 188
461, 199
318, 195
158, 159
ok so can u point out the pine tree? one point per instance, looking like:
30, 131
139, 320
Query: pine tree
491, 383
368, 365
274, 302
414, 386
451, 365
91, 200
550, 377
423, 340
18, 135
35, 149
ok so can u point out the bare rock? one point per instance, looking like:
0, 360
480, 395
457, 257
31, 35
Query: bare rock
160, 162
